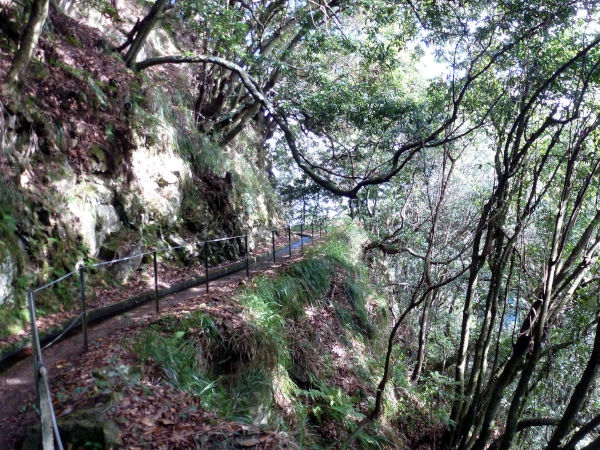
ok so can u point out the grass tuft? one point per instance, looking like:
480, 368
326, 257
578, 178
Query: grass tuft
278, 364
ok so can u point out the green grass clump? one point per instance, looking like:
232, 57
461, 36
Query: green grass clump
356, 294
190, 352
287, 295
180, 357
331, 403
239, 371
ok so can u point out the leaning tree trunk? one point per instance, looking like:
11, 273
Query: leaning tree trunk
33, 30
145, 26
581, 391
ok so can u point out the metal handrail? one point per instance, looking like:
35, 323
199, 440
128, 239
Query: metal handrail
65, 331
125, 258
52, 283
163, 249
50, 430
225, 238
43, 388
177, 247
44, 374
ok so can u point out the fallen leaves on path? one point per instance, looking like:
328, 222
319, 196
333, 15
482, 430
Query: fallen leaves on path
149, 411
142, 280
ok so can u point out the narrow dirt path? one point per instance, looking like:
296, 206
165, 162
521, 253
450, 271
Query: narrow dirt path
17, 384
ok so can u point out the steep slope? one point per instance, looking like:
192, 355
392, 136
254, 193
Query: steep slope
97, 162
287, 360
290, 360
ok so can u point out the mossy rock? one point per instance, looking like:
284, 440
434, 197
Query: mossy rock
80, 429
130, 373
98, 159
122, 245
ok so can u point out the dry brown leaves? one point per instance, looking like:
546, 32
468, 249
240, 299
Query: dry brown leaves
160, 416
152, 413
140, 281
323, 329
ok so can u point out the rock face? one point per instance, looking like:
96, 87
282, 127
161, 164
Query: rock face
90, 203
160, 175
8, 274
122, 246
88, 426
81, 429
108, 178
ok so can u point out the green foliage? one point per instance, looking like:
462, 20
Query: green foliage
332, 403
103, 6
356, 294
9, 198
225, 26
255, 191
97, 89
324, 403
13, 315
350, 84
189, 351
272, 301
201, 152
237, 374
13, 319
73, 41
305, 282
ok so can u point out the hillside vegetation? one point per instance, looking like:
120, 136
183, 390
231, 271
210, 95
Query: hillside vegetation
462, 138
98, 163
291, 360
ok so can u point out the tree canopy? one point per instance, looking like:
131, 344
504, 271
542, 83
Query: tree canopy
464, 137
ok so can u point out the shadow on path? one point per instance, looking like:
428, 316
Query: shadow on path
17, 384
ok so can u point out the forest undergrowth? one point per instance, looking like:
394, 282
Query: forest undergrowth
289, 360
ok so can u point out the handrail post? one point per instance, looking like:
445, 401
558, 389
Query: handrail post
247, 262
83, 307
290, 239
40, 386
206, 264
155, 280
34, 341
49, 428
302, 236
273, 244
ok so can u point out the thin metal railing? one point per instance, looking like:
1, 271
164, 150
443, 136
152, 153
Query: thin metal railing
50, 431
52, 283
125, 258
81, 271
228, 238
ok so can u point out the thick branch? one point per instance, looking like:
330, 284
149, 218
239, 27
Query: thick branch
537, 422
582, 432
144, 27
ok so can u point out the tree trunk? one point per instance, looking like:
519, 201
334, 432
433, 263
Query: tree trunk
581, 391
467, 318
33, 31
582, 432
479, 368
248, 113
144, 28
422, 337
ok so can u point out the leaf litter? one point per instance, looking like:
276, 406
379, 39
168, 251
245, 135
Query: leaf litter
149, 411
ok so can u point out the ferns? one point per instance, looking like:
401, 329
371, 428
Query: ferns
241, 372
